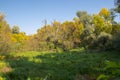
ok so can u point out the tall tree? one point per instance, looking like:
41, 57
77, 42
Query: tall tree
84, 18
117, 3
102, 22
5, 32
105, 13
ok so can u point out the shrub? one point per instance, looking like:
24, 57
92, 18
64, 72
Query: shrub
87, 37
116, 41
104, 41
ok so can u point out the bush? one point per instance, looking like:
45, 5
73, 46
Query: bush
116, 41
104, 41
87, 37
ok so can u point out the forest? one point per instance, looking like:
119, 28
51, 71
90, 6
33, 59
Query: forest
86, 48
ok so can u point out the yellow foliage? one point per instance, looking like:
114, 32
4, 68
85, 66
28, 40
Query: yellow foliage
2, 57
102, 25
1, 78
104, 12
19, 37
2, 64
80, 28
56, 23
99, 22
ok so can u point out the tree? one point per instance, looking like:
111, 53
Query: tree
84, 18
117, 3
87, 37
15, 30
32, 43
105, 13
98, 24
115, 28
104, 41
5, 32
116, 41
101, 24
2, 16
113, 15
19, 40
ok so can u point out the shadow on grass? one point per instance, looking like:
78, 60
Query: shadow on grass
57, 66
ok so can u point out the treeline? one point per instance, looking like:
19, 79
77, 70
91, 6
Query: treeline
11, 39
93, 32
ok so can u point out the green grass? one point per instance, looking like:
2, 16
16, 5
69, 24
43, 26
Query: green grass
73, 65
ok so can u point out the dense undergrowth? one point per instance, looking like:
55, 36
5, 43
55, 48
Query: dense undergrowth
72, 65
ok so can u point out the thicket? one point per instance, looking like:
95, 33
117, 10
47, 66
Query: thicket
93, 32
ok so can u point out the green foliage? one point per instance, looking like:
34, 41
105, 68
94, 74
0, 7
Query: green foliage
5, 46
75, 64
58, 62
98, 36
104, 41
101, 25
111, 71
84, 18
58, 35
117, 3
115, 28
103, 77
87, 37
83, 31
15, 30
116, 41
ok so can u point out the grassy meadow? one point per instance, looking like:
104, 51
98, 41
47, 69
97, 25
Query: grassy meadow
72, 65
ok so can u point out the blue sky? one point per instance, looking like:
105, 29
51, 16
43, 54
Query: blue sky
29, 15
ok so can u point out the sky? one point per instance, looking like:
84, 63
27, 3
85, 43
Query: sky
30, 15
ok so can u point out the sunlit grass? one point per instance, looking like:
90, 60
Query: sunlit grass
71, 65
